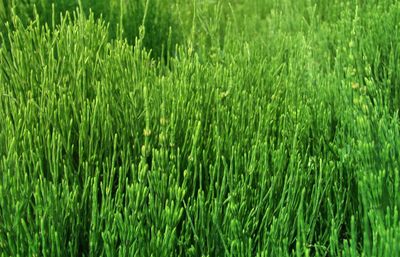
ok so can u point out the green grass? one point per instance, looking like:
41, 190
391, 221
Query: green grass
199, 128
124, 18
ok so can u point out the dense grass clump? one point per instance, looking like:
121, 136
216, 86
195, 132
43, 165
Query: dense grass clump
201, 128
124, 18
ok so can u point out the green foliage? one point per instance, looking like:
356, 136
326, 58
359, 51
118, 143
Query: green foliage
266, 128
124, 18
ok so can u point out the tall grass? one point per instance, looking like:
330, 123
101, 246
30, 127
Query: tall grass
124, 18
267, 129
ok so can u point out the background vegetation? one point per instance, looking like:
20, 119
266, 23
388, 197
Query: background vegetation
199, 128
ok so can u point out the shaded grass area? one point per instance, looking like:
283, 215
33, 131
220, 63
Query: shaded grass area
271, 129
123, 18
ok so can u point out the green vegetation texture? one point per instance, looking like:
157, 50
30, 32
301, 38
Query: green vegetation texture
200, 128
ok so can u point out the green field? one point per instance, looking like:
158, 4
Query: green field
200, 128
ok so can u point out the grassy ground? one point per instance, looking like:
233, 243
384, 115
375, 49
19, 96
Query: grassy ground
199, 128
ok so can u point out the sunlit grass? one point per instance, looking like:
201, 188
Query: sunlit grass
265, 129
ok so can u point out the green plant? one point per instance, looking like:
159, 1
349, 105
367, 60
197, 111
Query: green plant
269, 129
